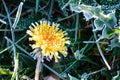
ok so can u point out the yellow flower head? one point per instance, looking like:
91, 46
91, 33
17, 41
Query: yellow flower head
49, 38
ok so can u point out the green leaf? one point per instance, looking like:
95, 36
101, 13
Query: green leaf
88, 11
5, 72
113, 43
72, 78
117, 77
28, 60
87, 15
77, 55
62, 3
110, 20
82, 57
98, 24
84, 76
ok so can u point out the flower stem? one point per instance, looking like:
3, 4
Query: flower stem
38, 67
101, 53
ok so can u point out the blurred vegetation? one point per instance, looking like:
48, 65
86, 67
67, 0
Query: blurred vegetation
89, 34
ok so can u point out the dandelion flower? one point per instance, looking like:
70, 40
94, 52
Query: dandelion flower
49, 38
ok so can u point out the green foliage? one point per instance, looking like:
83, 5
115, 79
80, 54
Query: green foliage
5, 72
98, 20
117, 77
72, 78
24, 23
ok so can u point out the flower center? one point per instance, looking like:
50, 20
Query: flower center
49, 39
